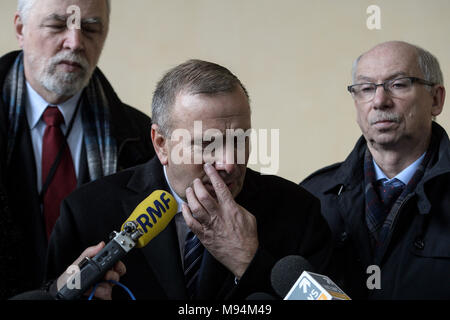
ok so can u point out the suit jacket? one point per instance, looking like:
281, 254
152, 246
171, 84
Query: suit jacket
288, 219
130, 128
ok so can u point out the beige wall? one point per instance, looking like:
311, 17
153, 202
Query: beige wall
294, 56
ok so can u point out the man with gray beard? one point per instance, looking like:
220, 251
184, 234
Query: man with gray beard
388, 203
64, 124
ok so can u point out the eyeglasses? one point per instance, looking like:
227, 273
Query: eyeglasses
398, 88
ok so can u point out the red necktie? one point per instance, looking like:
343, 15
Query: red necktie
64, 181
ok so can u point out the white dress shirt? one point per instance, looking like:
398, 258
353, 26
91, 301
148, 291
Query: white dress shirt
35, 107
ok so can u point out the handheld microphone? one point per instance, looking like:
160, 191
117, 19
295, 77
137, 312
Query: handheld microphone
292, 279
146, 221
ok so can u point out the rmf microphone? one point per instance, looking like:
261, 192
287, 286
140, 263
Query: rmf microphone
292, 279
146, 221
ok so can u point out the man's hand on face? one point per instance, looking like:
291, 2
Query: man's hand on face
226, 230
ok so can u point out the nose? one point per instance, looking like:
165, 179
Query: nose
382, 99
225, 161
74, 39
228, 168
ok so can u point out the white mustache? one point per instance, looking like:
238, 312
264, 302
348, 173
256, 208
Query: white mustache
384, 116
71, 57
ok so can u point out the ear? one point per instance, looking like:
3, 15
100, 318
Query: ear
438, 96
19, 28
160, 144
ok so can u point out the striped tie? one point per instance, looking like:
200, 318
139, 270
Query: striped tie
193, 252
389, 193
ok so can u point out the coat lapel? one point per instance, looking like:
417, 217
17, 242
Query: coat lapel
352, 200
22, 184
83, 171
162, 253
351, 207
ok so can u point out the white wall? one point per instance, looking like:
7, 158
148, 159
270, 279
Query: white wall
294, 57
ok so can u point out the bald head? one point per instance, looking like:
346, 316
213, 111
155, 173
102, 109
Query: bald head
426, 64
397, 117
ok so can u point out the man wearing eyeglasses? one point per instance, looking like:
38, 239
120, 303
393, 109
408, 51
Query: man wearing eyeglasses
388, 203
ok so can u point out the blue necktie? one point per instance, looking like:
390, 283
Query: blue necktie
193, 252
389, 192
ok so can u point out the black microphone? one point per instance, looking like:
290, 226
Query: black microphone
149, 218
286, 271
292, 279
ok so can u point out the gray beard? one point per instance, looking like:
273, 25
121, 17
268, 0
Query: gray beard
62, 84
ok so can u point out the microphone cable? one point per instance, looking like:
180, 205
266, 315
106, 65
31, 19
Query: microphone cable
115, 283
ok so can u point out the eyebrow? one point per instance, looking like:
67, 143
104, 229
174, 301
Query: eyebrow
63, 18
393, 76
94, 20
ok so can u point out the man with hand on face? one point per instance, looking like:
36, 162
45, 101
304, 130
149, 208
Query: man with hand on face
388, 203
233, 223
65, 125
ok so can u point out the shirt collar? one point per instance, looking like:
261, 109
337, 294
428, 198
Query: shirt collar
36, 106
176, 196
403, 176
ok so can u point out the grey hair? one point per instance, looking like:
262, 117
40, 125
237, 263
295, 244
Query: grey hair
24, 7
192, 77
355, 67
428, 65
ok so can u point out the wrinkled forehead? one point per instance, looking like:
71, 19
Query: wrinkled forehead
220, 111
388, 61
88, 9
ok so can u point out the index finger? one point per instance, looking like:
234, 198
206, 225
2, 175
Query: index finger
222, 192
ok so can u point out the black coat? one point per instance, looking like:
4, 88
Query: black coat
10, 235
130, 128
416, 261
288, 221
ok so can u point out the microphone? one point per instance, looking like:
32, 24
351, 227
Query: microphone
146, 221
293, 279
286, 271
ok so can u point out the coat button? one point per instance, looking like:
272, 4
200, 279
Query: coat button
341, 239
419, 244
